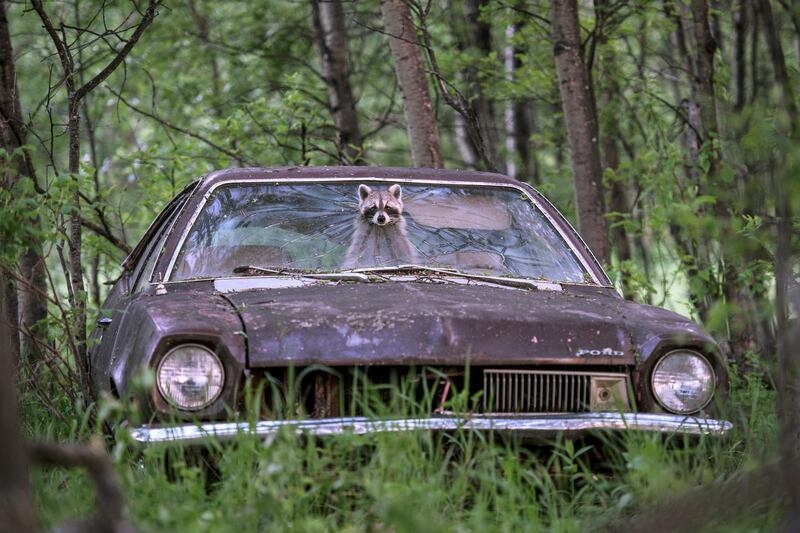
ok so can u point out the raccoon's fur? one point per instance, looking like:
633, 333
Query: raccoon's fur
379, 231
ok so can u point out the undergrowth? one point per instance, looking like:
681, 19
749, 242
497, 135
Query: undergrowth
419, 481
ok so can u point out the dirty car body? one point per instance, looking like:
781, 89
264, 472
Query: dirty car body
493, 315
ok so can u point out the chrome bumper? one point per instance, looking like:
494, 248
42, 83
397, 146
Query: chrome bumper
526, 426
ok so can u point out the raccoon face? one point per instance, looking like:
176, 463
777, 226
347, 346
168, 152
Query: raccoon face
381, 208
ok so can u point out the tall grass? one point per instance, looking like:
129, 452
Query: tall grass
419, 481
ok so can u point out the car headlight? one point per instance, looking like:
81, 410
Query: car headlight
190, 377
683, 382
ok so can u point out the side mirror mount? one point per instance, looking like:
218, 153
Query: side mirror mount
125, 280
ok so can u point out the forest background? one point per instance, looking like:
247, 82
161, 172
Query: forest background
666, 130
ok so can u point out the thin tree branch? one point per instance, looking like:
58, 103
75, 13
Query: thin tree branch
106, 234
64, 54
101, 76
184, 131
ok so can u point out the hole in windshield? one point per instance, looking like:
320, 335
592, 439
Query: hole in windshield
326, 227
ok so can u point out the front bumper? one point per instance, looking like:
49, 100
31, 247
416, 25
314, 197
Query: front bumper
525, 426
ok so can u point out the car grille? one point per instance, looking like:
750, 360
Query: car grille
536, 391
356, 391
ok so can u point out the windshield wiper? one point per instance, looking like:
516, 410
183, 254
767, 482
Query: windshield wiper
370, 274
444, 272
405, 269
298, 273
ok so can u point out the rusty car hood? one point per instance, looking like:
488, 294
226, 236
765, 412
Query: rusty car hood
425, 323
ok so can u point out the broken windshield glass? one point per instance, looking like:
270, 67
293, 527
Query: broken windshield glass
326, 227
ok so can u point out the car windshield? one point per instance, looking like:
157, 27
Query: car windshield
328, 227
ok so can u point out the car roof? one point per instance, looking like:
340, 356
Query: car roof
363, 172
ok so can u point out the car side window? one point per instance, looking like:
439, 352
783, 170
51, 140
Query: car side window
146, 272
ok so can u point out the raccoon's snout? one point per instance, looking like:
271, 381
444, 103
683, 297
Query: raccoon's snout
381, 218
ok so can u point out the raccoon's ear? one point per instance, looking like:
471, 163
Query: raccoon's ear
363, 192
396, 191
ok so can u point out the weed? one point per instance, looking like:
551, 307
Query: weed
417, 481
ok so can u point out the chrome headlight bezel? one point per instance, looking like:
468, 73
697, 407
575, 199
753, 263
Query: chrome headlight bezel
219, 384
700, 405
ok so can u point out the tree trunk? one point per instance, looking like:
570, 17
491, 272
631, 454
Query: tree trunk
209, 51
32, 299
465, 147
12, 128
521, 161
792, 9
703, 87
524, 124
26, 303
9, 130
330, 35
580, 118
512, 139
706, 46
788, 371
754, 74
740, 55
618, 200
16, 506
691, 255
785, 89
479, 36
8, 293
423, 135
618, 203
75, 241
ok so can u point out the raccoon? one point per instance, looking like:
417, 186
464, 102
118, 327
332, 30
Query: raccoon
379, 231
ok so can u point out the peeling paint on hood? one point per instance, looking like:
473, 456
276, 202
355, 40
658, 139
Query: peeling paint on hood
418, 323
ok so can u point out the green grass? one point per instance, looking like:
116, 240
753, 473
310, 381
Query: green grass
420, 482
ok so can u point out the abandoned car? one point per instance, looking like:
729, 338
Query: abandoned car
358, 299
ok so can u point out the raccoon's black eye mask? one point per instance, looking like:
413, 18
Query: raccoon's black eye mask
369, 213
392, 211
